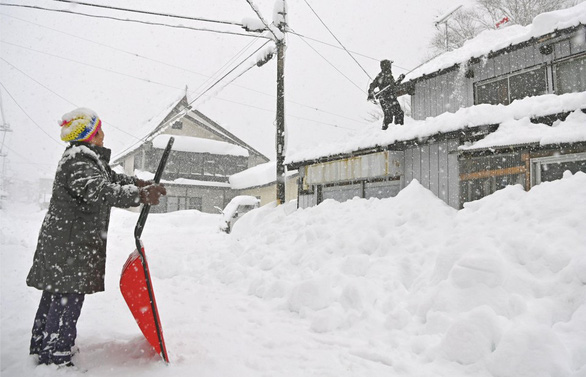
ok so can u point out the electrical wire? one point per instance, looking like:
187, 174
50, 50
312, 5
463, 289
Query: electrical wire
188, 70
232, 70
224, 67
336, 38
131, 20
60, 96
338, 47
262, 19
149, 13
25, 113
133, 54
90, 65
333, 66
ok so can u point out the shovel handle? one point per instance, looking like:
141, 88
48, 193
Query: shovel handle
146, 208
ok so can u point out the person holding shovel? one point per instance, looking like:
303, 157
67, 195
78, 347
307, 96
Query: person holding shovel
70, 258
386, 95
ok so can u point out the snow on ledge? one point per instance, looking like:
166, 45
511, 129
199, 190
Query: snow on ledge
199, 145
259, 175
447, 122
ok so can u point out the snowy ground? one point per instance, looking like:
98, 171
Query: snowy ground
405, 286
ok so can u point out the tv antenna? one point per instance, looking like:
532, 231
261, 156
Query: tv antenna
444, 20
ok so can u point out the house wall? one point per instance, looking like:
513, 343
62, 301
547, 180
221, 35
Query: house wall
453, 90
181, 197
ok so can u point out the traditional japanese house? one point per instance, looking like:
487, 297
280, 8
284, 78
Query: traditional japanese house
203, 157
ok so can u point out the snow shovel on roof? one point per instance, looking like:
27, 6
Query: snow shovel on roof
135, 281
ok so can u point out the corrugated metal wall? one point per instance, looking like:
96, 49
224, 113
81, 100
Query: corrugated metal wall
452, 90
434, 165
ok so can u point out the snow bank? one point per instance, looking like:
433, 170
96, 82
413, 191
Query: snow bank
497, 288
405, 286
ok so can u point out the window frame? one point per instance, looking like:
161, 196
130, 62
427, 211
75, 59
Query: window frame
507, 77
560, 62
536, 163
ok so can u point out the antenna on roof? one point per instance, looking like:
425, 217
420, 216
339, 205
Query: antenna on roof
444, 20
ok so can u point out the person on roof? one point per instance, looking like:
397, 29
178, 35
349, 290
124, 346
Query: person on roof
70, 258
386, 94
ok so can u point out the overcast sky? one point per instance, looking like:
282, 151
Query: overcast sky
52, 62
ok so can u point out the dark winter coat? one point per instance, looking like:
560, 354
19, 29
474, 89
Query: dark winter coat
71, 250
387, 86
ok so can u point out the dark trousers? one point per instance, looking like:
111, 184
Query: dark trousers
391, 109
55, 327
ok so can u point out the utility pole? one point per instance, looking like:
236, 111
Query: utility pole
280, 137
4, 128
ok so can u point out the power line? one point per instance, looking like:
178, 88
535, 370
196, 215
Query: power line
262, 19
130, 20
288, 114
134, 54
323, 23
338, 47
90, 65
150, 13
336, 68
225, 66
58, 95
232, 70
25, 113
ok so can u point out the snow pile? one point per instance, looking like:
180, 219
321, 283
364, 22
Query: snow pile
498, 287
485, 114
405, 286
494, 40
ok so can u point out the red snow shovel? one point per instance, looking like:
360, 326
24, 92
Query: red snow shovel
135, 282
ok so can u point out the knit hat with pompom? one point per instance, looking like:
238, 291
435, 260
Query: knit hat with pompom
79, 125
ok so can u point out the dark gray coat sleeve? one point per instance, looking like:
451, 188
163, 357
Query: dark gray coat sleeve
123, 179
90, 183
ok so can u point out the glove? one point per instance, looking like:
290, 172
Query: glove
401, 77
140, 183
150, 194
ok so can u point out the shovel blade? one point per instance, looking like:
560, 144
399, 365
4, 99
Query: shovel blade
136, 288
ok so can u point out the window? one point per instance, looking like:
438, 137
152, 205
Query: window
493, 93
180, 203
545, 169
570, 76
138, 161
195, 203
209, 167
177, 125
517, 86
528, 84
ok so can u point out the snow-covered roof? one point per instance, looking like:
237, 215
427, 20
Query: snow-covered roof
494, 40
147, 176
479, 115
199, 145
259, 175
